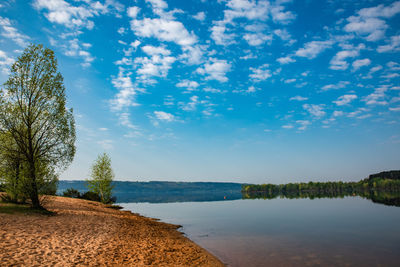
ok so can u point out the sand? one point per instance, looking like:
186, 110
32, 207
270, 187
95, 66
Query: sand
86, 233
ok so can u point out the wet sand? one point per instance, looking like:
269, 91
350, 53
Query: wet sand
86, 233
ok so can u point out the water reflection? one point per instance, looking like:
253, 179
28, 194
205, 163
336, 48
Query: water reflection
347, 231
380, 197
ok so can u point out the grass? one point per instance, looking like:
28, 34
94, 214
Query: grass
12, 208
113, 206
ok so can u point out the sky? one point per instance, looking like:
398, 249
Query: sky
228, 90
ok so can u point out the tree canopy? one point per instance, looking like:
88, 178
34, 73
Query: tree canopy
35, 120
102, 176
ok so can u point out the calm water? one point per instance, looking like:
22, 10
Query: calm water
288, 232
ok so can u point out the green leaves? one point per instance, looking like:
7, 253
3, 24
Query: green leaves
102, 176
33, 114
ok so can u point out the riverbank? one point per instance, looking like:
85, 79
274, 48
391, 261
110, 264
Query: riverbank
88, 233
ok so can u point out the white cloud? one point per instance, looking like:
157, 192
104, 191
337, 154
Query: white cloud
167, 28
280, 16
286, 60
8, 31
251, 89
153, 50
338, 113
132, 12
121, 30
369, 22
397, 109
61, 12
158, 64
391, 75
305, 74
375, 69
289, 80
315, 110
192, 55
219, 35
5, 62
163, 30
215, 69
127, 91
196, 102
393, 46
288, 126
191, 105
74, 48
338, 62
256, 39
360, 63
303, 124
164, 116
201, 16
377, 97
213, 90
381, 11
252, 11
313, 48
339, 85
393, 66
344, 100
124, 120
357, 112
298, 98
261, 73
128, 52
188, 85
284, 35
372, 29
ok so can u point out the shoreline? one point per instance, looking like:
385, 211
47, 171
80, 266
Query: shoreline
88, 233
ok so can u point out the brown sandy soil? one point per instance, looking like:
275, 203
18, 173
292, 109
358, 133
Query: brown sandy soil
85, 233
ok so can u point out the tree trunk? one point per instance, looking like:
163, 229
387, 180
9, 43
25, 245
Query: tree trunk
33, 194
16, 182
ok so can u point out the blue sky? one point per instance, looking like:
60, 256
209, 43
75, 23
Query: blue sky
242, 91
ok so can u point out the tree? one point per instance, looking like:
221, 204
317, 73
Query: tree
10, 170
102, 177
34, 116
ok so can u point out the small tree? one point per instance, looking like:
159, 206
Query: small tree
34, 116
102, 176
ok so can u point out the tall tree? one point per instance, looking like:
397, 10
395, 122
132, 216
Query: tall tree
33, 113
10, 169
102, 177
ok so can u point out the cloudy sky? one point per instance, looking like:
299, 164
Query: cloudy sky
228, 90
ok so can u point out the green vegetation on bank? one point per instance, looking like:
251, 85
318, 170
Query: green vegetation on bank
382, 187
100, 185
101, 179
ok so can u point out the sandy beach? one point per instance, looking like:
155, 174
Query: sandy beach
86, 233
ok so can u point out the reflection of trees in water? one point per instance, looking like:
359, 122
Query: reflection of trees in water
391, 198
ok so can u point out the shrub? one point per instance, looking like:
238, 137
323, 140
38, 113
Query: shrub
89, 195
72, 192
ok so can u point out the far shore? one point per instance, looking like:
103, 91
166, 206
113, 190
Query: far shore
87, 233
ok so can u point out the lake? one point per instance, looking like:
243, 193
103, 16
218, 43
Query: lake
349, 231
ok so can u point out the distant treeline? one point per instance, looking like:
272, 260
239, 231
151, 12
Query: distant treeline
164, 192
382, 188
